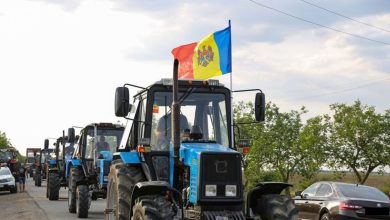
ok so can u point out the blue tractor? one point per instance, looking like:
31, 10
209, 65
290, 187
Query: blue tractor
57, 175
41, 164
88, 169
177, 159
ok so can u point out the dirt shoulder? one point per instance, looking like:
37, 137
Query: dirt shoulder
19, 206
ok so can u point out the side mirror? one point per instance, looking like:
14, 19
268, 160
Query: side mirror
298, 193
260, 107
122, 104
71, 135
77, 138
46, 146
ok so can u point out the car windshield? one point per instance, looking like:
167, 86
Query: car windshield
362, 192
205, 111
4, 172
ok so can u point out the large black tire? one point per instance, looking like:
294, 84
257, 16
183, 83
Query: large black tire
54, 186
276, 207
153, 207
325, 216
38, 178
47, 183
121, 181
73, 178
82, 201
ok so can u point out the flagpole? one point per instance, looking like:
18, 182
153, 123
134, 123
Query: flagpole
231, 88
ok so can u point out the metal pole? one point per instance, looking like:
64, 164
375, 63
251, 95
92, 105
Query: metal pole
231, 89
175, 117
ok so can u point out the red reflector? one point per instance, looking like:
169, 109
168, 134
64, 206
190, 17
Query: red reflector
245, 150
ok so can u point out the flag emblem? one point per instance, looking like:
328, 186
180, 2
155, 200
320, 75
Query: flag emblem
205, 56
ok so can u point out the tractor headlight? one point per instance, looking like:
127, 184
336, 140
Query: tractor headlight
230, 190
211, 190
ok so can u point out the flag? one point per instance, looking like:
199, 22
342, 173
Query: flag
212, 56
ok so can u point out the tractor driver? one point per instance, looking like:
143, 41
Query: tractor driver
164, 130
102, 145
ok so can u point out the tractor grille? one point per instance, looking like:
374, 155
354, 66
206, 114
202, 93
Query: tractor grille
220, 169
106, 167
223, 168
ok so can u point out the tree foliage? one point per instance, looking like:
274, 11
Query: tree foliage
282, 143
4, 141
359, 139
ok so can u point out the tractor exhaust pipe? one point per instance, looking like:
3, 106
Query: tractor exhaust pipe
175, 111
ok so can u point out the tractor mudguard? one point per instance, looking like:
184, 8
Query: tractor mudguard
261, 189
148, 188
71, 163
131, 157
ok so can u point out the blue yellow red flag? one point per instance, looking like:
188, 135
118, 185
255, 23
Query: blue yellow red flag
212, 56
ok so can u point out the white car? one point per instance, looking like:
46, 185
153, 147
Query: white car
7, 181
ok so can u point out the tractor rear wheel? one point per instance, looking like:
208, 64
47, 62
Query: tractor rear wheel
152, 207
82, 201
73, 178
276, 207
121, 181
54, 186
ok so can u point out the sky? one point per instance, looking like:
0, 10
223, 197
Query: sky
60, 61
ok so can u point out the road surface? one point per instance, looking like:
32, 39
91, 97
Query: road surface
34, 205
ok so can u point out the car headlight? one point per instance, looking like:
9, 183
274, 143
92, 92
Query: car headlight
211, 190
231, 190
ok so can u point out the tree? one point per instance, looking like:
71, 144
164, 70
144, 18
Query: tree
4, 141
359, 139
284, 145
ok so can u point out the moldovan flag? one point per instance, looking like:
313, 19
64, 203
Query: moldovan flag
210, 57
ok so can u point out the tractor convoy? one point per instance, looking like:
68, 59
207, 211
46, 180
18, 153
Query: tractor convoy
177, 158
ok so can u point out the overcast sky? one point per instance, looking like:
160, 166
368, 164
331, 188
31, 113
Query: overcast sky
60, 61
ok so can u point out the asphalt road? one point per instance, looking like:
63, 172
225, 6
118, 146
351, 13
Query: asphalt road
34, 205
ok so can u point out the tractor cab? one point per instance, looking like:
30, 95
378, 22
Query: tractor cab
7, 155
97, 143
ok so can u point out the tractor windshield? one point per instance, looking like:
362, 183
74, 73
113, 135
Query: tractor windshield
203, 113
106, 140
46, 156
6, 155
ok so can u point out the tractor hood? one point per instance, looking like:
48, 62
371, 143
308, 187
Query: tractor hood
190, 151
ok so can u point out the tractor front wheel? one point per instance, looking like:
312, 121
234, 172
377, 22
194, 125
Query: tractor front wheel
121, 181
73, 178
277, 207
82, 201
54, 186
152, 207
38, 178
